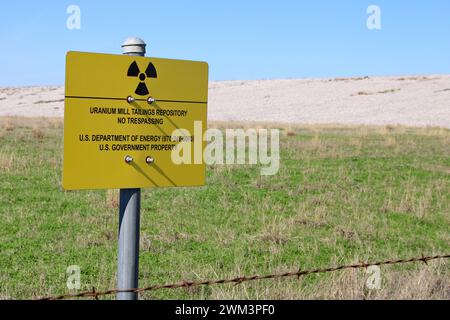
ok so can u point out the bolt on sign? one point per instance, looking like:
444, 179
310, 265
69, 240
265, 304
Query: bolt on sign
123, 118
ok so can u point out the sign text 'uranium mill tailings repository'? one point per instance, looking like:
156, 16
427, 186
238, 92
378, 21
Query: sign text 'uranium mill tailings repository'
120, 116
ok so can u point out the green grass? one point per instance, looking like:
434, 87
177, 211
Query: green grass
342, 195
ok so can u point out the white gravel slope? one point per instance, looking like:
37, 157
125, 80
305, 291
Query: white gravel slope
411, 101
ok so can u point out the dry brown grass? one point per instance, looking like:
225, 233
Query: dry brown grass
38, 133
412, 200
437, 168
6, 162
11, 162
356, 130
390, 142
31, 122
276, 230
422, 282
112, 199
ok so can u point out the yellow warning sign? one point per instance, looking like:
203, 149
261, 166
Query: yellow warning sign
129, 119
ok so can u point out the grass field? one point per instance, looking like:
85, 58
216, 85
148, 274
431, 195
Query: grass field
342, 195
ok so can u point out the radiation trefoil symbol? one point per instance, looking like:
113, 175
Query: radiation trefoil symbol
150, 72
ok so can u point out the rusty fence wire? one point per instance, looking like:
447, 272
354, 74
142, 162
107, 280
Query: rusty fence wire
238, 280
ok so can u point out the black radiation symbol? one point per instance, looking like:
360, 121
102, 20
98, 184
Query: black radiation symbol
150, 72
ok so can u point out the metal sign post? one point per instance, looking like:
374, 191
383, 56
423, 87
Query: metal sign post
129, 215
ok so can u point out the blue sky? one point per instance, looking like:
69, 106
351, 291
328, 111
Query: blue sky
240, 39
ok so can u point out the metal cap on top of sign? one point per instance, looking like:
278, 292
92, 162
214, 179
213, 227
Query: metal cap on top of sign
120, 119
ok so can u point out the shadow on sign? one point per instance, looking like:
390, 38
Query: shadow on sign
165, 176
143, 173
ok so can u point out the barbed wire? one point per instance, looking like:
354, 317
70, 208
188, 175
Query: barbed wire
238, 280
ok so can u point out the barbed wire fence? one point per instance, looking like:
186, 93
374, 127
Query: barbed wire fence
238, 280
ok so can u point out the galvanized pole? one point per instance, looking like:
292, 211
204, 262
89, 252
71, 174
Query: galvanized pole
129, 214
